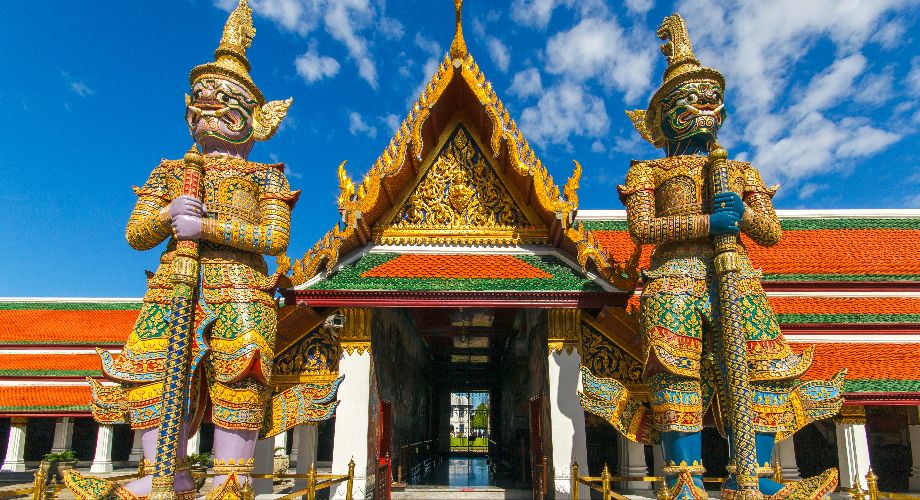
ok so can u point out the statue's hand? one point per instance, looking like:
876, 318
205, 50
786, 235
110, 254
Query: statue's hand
187, 227
728, 201
186, 205
724, 222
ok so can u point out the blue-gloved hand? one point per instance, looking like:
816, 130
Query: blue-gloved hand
728, 201
724, 222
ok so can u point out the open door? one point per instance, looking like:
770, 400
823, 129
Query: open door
384, 475
537, 455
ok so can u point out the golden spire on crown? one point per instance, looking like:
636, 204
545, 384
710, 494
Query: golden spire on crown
230, 63
683, 66
458, 46
230, 57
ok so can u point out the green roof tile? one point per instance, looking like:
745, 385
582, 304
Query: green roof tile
564, 278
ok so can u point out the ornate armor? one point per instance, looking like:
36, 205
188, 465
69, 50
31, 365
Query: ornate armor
249, 208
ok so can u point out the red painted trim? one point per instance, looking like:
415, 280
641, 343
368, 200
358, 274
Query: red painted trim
834, 286
883, 398
397, 298
841, 286
851, 329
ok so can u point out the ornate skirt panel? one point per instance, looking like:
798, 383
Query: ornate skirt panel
678, 319
239, 342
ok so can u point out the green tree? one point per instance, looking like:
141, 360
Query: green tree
480, 417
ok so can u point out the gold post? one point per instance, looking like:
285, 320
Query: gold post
458, 45
575, 480
38, 486
872, 483
605, 483
664, 493
311, 483
777, 471
351, 478
857, 493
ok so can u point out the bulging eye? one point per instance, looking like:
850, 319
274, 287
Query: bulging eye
691, 98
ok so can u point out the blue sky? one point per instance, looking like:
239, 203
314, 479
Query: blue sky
823, 96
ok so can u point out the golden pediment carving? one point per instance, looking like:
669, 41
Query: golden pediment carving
459, 198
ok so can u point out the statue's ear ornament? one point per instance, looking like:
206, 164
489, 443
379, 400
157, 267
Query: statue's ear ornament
267, 118
638, 120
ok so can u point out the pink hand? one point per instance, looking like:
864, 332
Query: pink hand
186, 205
187, 227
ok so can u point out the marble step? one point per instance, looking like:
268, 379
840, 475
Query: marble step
444, 492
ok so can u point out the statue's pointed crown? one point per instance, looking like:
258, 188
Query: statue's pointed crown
230, 57
683, 66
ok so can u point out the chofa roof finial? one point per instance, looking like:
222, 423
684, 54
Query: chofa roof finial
458, 46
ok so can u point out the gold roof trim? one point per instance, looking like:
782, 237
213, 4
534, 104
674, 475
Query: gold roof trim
360, 204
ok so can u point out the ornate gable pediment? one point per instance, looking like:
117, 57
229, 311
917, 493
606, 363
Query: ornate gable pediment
459, 197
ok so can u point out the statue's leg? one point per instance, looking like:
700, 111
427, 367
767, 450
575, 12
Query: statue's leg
242, 338
677, 413
184, 481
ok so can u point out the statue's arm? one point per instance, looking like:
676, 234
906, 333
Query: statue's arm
638, 194
759, 221
272, 235
150, 221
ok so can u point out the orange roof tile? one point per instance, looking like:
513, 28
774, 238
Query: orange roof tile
45, 398
812, 251
864, 360
93, 327
49, 365
455, 266
846, 305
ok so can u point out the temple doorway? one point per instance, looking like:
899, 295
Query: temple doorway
478, 373
469, 422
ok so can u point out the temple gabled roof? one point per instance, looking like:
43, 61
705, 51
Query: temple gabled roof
831, 249
397, 199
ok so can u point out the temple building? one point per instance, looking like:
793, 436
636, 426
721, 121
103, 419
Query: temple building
460, 266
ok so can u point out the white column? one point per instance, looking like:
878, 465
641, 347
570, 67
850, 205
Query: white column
305, 439
137, 448
784, 452
281, 442
264, 463
102, 461
852, 453
194, 442
632, 463
16, 447
567, 420
657, 460
63, 435
914, 482
295, 444
351, 420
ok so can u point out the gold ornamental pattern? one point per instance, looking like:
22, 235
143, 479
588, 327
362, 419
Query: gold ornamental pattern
460, 190
606, 359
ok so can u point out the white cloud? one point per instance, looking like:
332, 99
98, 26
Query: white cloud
77, 87
343, 20
598, 147
499, 54
912, 201
826, 89
537, 13
430, 47
312, 66
563, 110
913, 77
526, 83
392, 122
357, 125
809, 189
793, 121
391, 28
599, 48
639, 6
